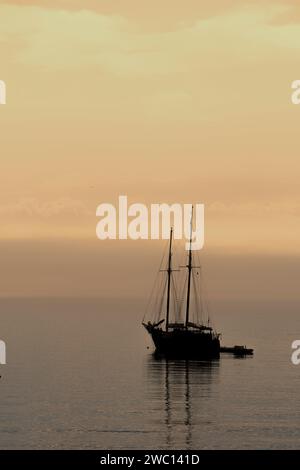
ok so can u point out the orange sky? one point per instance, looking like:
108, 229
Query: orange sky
162, 101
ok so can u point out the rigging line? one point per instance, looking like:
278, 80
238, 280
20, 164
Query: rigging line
159, 298
198, 289
197, 295
162, 300
175, 289
196, 299
201, 292
152, 297
182, 299
205, 299
154, 283
175, 299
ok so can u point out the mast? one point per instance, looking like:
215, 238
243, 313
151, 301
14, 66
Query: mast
189, 266
169, 270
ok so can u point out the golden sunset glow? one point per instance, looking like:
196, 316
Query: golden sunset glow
160, 101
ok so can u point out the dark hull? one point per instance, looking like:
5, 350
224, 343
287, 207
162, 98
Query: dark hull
186, 344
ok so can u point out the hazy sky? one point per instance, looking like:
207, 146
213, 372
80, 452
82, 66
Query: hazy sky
164, 101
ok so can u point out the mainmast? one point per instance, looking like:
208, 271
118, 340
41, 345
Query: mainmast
189, 266
169, 270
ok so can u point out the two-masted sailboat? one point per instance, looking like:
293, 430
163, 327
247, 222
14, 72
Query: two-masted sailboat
183, 338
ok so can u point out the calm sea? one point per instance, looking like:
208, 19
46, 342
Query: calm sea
79, 375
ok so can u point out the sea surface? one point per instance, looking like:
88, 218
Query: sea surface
80, 374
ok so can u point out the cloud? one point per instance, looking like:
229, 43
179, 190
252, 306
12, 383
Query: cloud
33, 208
288, 16
279, 209
64, 40
155, 15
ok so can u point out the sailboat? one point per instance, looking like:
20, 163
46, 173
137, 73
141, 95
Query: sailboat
184, 338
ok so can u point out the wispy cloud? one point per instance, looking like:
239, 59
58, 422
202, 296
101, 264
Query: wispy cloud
63, 39
32, 207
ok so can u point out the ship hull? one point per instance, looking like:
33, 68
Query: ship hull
186, 344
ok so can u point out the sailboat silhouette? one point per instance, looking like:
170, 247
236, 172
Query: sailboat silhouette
183, 339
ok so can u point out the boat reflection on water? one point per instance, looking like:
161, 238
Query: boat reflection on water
181, 396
